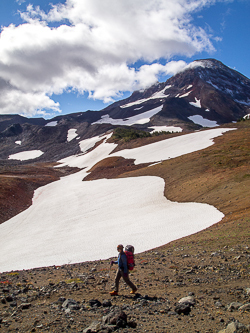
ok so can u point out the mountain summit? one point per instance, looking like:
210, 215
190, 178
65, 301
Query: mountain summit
206, 93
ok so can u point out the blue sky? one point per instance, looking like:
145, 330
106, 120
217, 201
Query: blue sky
75, 55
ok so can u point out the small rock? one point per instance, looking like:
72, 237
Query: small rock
234, 306
235, 327
116, 317
9, 298
188, 300
245, 307
132, 323
183, 308
13, 304
25, 306
95, 302
106, 303
70, 304
218, 304
96, 326
61, 300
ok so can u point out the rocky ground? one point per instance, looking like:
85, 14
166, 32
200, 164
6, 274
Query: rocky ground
71, 297
199, 283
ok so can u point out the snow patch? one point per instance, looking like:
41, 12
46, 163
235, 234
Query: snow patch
141, 118
26, 155
216, 87
197, 119
166, 129
158, 94
247, 116
18, 142
71, 134
207, 110
185, 95
197, 103
52, 123
90, 159
89, 143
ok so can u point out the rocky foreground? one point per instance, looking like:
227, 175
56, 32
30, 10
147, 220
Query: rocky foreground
181, 288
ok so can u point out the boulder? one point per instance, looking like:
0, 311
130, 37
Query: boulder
116, 317
235, 327
183, 308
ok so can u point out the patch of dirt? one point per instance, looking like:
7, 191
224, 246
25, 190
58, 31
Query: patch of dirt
112, 167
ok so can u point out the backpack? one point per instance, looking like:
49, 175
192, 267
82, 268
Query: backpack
129, 251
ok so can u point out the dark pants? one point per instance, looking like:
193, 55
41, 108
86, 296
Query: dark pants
120, 274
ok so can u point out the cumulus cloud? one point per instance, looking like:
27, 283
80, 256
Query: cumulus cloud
91, 46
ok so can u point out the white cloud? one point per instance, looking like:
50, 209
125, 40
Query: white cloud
20, 1
91, 46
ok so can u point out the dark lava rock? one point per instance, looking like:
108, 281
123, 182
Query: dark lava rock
95, 303
116, 317
70, 304
106, 303
184, 308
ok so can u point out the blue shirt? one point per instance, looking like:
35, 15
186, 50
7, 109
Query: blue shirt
122, 262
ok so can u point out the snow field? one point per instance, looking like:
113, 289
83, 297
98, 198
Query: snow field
26, 155
197, 119
173, 147
88, 220
197, 103
71, 134
89, 143
73, 221
141, 118
158, 94
52, 123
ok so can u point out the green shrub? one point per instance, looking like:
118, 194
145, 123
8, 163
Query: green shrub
128, 134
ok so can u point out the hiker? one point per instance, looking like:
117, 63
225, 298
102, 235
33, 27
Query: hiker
122, 271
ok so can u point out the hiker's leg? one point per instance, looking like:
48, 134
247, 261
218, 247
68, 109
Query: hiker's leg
117, 279
129, 283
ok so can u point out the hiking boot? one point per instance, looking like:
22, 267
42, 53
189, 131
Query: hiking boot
113, 293
133, 291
